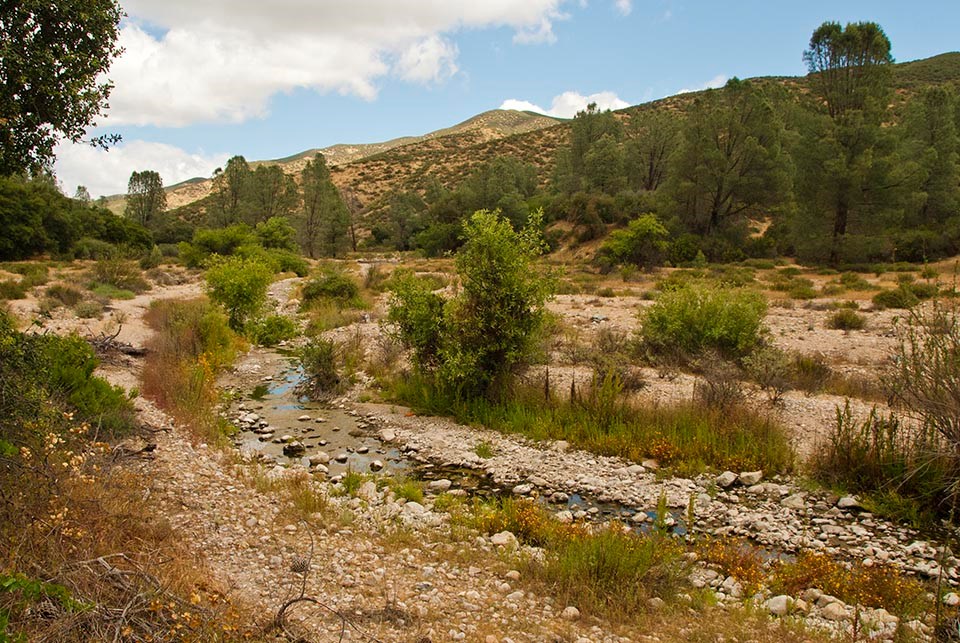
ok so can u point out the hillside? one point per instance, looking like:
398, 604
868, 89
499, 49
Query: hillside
488, 126
448, 155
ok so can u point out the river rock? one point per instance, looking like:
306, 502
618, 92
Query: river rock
376, 465
522, 489
750, 478
294, 449
835, 612
320, 457
388, 435
848, 502
504, 539
439, 485
779, 605
570, 613
304, 418
951, 600
726, 479
795, 501
341, 458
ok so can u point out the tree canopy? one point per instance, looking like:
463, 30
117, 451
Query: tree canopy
52, 57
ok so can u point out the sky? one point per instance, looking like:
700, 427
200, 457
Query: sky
202, 80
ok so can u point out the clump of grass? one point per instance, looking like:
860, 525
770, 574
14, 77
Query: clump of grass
191, 344
10, 289
108, 292
409, 490
846, 319
483, 450
271, 330
321, 369
604, 572
879, 586
687, 436
737, 558
120, 273
65, 294
901, 297
332, 285
90, 309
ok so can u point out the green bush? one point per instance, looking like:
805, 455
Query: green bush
332, 285
697, 317
70, 363
321, 375
853, 281
89, 309
108, 292
902, 297
65, 294
271, 330
643, 243
221, 241
240, 286
151, 259
492, 325
846, 319
88, 248
10, 289
120, 273
416, 316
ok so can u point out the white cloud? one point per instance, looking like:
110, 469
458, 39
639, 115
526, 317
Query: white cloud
624, 6
107, 172
431, 60
717, 81
567, 104
222, 60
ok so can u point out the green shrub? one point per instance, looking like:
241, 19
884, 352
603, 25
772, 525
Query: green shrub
694, 318
770, 368
70, 370
846, 319
853, 281
222, 241
65, 294
10, 289
802, 289
493, 324
108, 292
643, 243
120, 273
332, 285
924, 289
271, 330
902, 297
810, 373
89, 309
152, 258
240, 286
321, 374
87, 248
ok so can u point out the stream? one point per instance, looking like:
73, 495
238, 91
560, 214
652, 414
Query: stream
278, 426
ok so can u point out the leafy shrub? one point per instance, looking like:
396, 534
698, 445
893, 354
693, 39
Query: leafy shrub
853, 281
478, 337
810, 373
151, 259
121, 274
694, 318
643, 243
924, 289
88, 248
89, 309
846, 319
319, 361
271, 330
276, 232
71, 363
770, 367
222, 241
108, 292
332, 285
719, 385
65, 294
240, 286
902, 297
10, 289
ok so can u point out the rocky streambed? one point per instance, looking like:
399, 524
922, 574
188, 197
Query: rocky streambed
776, 513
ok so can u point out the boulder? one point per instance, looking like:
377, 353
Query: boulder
750, 478
504, 539
726, 479
779, 605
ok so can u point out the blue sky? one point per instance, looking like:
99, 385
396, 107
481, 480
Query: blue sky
203, 80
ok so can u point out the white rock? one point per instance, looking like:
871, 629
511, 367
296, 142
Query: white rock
794, 502
522, 489
653, 465
513, 597
570, 613
951, 599
320, 457
655, 603
848, 502
835, 612
726, 479
388, 435
749, 478
439, 485
414, 508
504, 539
779, 605
376, 465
